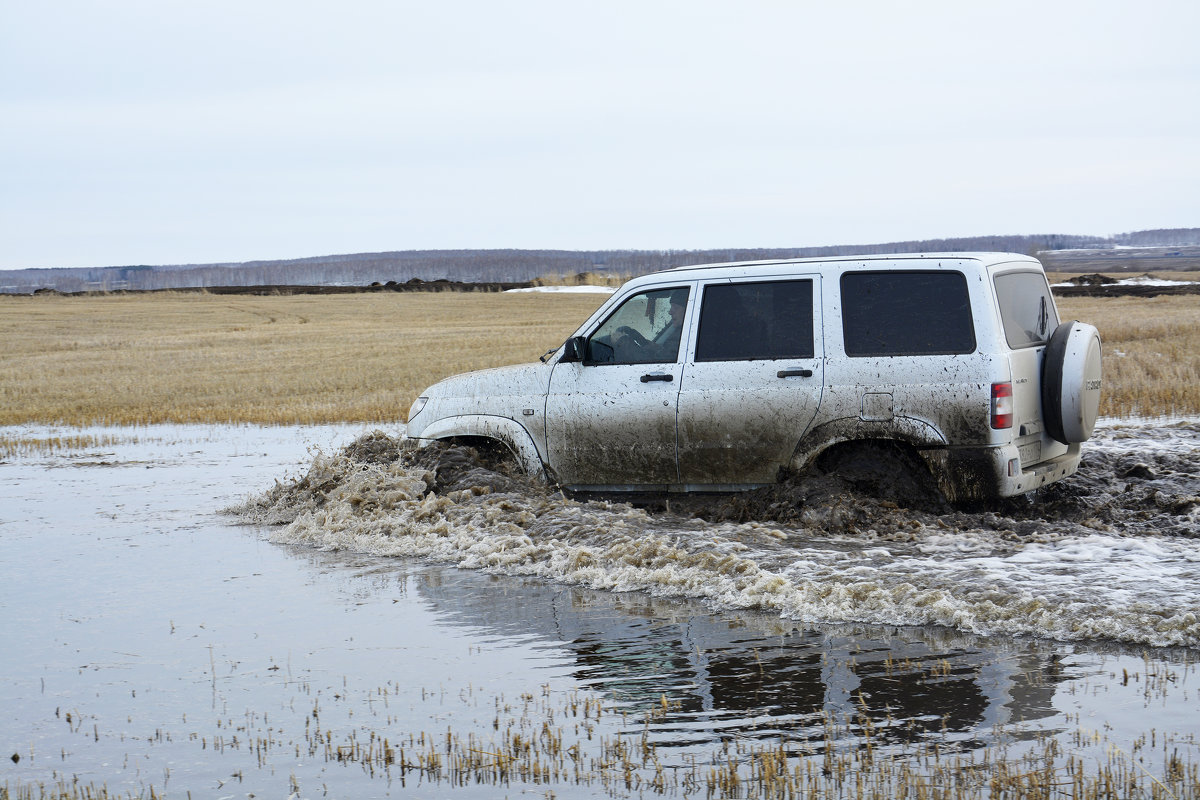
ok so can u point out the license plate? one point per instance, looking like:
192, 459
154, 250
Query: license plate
1030, 453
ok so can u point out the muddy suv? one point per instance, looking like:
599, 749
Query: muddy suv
732, 376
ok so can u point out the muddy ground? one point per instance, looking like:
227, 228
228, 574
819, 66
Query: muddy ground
1132, 490
1098, 285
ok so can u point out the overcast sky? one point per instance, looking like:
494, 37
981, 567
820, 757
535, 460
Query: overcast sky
169, 132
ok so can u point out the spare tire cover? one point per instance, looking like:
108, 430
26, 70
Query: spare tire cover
1071, 377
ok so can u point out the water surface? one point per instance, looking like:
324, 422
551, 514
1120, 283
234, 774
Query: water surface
152, 641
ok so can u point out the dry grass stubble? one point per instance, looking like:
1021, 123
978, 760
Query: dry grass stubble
280, 360
1151, 352
137, 359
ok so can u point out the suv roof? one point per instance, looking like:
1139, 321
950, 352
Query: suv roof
985, 258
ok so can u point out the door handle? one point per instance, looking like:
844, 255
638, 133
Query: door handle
658, 376
794, 373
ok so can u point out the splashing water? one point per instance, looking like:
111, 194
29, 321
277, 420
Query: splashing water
1109, 554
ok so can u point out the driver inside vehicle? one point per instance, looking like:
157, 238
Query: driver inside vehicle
642, 331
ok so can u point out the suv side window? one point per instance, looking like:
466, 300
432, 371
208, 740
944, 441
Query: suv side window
906, 314
749, 321
645, 329
1026, 308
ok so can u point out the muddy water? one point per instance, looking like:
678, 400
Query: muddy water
1109, 555
151, 641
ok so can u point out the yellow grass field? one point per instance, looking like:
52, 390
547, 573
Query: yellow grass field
1151, 352
136, 359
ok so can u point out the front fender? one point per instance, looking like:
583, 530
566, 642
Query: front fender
916, 432
508, 432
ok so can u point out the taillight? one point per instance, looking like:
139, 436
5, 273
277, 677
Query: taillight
1002, 405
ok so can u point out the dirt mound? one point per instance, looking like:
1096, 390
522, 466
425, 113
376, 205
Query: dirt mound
1102, 286
1092, 279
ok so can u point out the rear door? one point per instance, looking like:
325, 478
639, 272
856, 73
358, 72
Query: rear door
1029, 317
751, 380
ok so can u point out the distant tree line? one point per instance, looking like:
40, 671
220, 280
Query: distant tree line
1162, 237
361, 269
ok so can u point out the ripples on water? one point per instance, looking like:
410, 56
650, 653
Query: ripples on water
1110, 554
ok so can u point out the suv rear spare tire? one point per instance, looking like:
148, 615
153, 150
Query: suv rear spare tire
1071, 379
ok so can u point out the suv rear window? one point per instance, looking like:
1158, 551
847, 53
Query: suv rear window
906, 314
749, 321
1026, 308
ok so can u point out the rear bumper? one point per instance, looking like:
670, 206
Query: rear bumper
985, 473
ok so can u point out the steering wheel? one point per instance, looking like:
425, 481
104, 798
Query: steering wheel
633, 336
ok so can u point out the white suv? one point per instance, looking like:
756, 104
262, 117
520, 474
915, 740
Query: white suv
731, 376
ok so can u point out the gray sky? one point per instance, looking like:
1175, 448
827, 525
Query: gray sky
167, 132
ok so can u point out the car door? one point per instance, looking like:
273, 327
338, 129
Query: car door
751, 381
610, 418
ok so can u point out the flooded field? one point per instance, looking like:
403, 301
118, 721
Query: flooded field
322, 612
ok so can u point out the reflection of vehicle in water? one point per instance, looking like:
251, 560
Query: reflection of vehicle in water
728, 376
723, 671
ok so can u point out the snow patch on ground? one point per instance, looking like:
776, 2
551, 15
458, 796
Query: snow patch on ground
566, 289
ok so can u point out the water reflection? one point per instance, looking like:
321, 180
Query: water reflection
753, 675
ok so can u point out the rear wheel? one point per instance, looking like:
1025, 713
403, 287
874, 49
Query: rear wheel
1071, 379
885, 469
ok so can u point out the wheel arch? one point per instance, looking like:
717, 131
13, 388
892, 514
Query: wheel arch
503, 431
910, 432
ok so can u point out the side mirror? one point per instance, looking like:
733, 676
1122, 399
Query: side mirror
574, 349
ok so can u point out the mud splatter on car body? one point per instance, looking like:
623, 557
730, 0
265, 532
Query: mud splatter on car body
958, 362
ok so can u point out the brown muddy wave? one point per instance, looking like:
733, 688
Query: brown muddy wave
1108, 554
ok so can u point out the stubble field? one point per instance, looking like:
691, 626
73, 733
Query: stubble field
306, 359
275, 360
